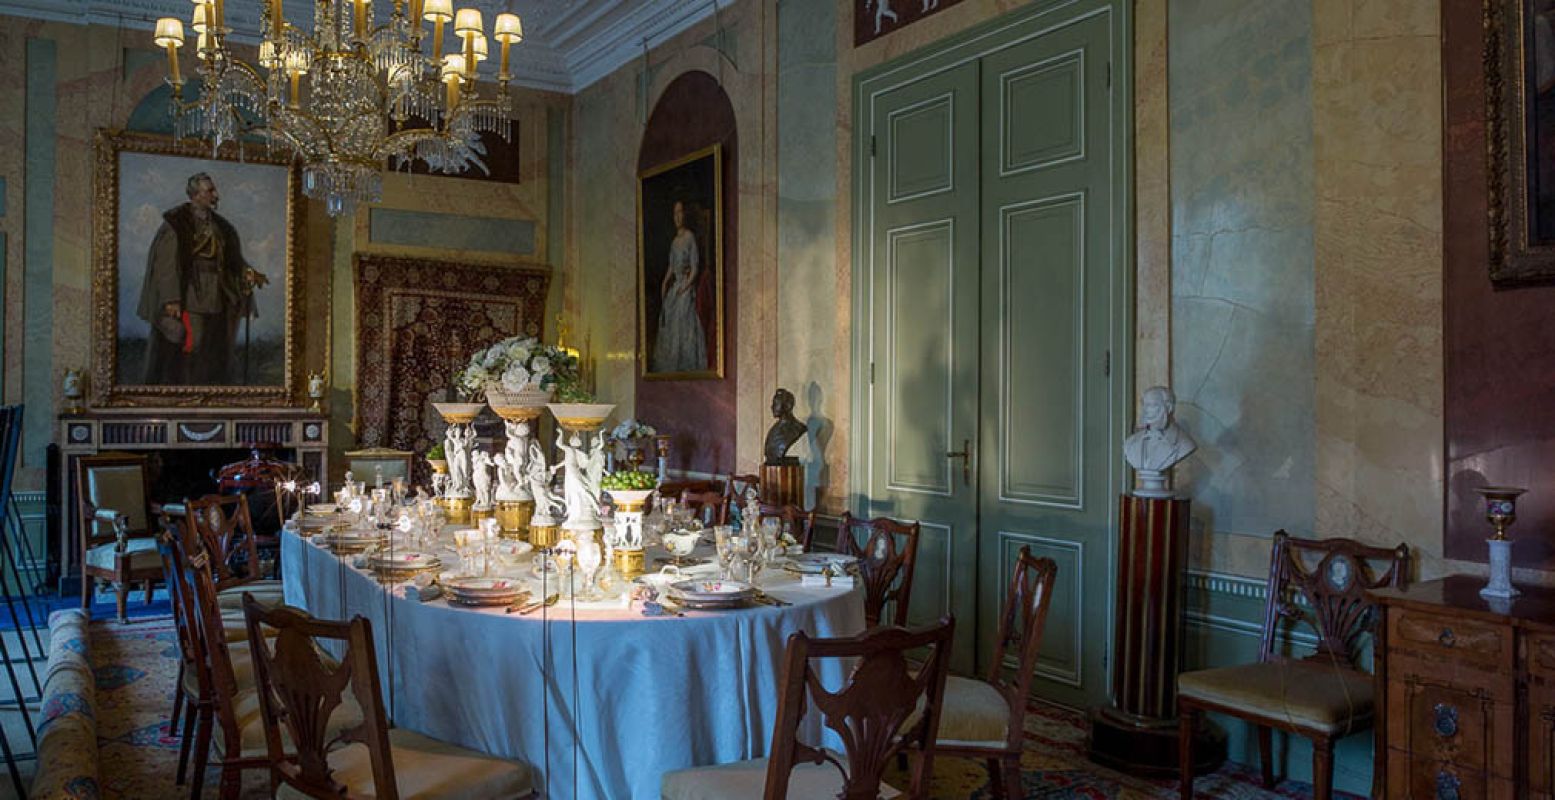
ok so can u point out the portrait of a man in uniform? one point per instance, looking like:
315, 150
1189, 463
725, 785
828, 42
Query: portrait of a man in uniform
202, 266
197, 291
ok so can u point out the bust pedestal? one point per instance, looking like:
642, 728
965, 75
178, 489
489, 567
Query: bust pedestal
782, 484
1137, 733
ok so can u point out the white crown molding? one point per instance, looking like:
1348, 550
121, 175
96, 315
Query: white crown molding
620, 37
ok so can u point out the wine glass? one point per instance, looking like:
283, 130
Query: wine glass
589, 558
723, 543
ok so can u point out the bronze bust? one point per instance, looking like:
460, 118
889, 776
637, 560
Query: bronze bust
784, 432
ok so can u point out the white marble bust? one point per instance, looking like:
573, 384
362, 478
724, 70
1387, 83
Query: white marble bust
1157, 444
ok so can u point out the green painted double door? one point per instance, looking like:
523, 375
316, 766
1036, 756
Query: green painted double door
993, 304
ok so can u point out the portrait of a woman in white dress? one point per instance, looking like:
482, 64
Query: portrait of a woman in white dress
680, 273
681, 343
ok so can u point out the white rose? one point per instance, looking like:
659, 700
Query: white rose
516, 379
541, 365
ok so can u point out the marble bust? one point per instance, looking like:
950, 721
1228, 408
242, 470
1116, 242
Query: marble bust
1157, 444
784, 432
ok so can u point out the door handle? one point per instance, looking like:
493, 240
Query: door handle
965, 454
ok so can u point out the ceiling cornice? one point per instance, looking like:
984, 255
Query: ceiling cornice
571, 44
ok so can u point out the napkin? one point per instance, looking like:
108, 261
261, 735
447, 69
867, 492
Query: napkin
837, 581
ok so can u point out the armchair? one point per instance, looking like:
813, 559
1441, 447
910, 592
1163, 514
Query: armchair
118, 545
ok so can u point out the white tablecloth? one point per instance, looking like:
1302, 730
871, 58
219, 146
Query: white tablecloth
600, 702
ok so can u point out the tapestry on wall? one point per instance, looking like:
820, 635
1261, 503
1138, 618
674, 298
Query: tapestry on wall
873, 19
417, 321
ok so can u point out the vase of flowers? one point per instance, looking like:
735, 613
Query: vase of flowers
518, 372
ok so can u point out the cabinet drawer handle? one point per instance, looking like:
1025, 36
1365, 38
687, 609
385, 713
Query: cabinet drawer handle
1446, 638
1446, 786
1446, 720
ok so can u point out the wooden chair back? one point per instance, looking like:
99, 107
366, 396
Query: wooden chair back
738, 487
179, 595
299, 690
226, 530
117, 481
870, 712
217, 679
886, 557
793, 520
257, 478
673, 489
1324, 583
1021, 623
710, 507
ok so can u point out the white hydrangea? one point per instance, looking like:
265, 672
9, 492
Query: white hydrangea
540, 365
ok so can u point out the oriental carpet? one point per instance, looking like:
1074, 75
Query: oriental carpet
135, 666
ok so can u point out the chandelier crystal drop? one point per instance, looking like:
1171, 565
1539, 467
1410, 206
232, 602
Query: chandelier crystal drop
352, 97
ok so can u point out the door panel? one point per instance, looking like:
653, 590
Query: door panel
1047, 457
923, 309
1041, 457
920, 370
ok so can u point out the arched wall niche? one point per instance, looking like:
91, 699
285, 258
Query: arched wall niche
692, 113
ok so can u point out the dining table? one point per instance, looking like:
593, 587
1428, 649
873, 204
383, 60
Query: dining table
599, 697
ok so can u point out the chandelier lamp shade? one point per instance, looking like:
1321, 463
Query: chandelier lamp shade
351, 97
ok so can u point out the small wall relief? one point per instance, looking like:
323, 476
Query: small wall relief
873, 19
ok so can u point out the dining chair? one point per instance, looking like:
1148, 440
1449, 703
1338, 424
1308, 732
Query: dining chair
793, 520
226, 530
886, 557
738, 487
887, 706
673, 489
118, 545
1323, 696
711, 507
987, 718
257, 477
299, 697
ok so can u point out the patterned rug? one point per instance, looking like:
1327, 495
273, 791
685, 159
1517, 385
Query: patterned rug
135, 665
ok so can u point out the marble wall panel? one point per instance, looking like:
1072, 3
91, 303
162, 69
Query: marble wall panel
1242, 260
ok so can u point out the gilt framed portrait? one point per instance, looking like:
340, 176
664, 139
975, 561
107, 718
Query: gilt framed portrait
196, 296
1519, 59
680, 267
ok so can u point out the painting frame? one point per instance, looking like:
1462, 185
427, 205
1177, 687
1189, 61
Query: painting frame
1516, 256
650, 181
108, 387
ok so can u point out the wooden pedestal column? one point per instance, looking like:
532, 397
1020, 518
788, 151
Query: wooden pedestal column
782, 484
1137, 733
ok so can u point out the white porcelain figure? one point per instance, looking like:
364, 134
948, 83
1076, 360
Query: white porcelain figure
583, 469
480, 475
516, 454
458, 445
510, 488
538, 475
1158, 444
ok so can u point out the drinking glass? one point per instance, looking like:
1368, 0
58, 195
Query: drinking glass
723, 542
589, 558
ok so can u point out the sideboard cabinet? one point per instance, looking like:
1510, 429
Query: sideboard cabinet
1466, 692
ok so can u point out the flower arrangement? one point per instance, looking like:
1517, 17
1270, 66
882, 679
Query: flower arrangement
435, 452
519, 364
631, 429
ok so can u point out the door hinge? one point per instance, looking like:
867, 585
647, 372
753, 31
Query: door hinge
871, 146
1109, 74
1106, 363
871, 373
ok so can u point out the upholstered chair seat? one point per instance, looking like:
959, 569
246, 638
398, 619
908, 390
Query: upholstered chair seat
427, 768
251, 723
742, 780
141, 552
975, 714
268, 592
1311, 694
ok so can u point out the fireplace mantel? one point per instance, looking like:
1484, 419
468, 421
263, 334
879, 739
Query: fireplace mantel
146, 430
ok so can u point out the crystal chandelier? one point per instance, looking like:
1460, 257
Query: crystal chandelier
351, 97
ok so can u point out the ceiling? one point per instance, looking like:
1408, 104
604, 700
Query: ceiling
568, 44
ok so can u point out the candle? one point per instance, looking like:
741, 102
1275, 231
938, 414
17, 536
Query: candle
202, 19
277, 22
509, 30
221, 17
361, 18
415, 14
